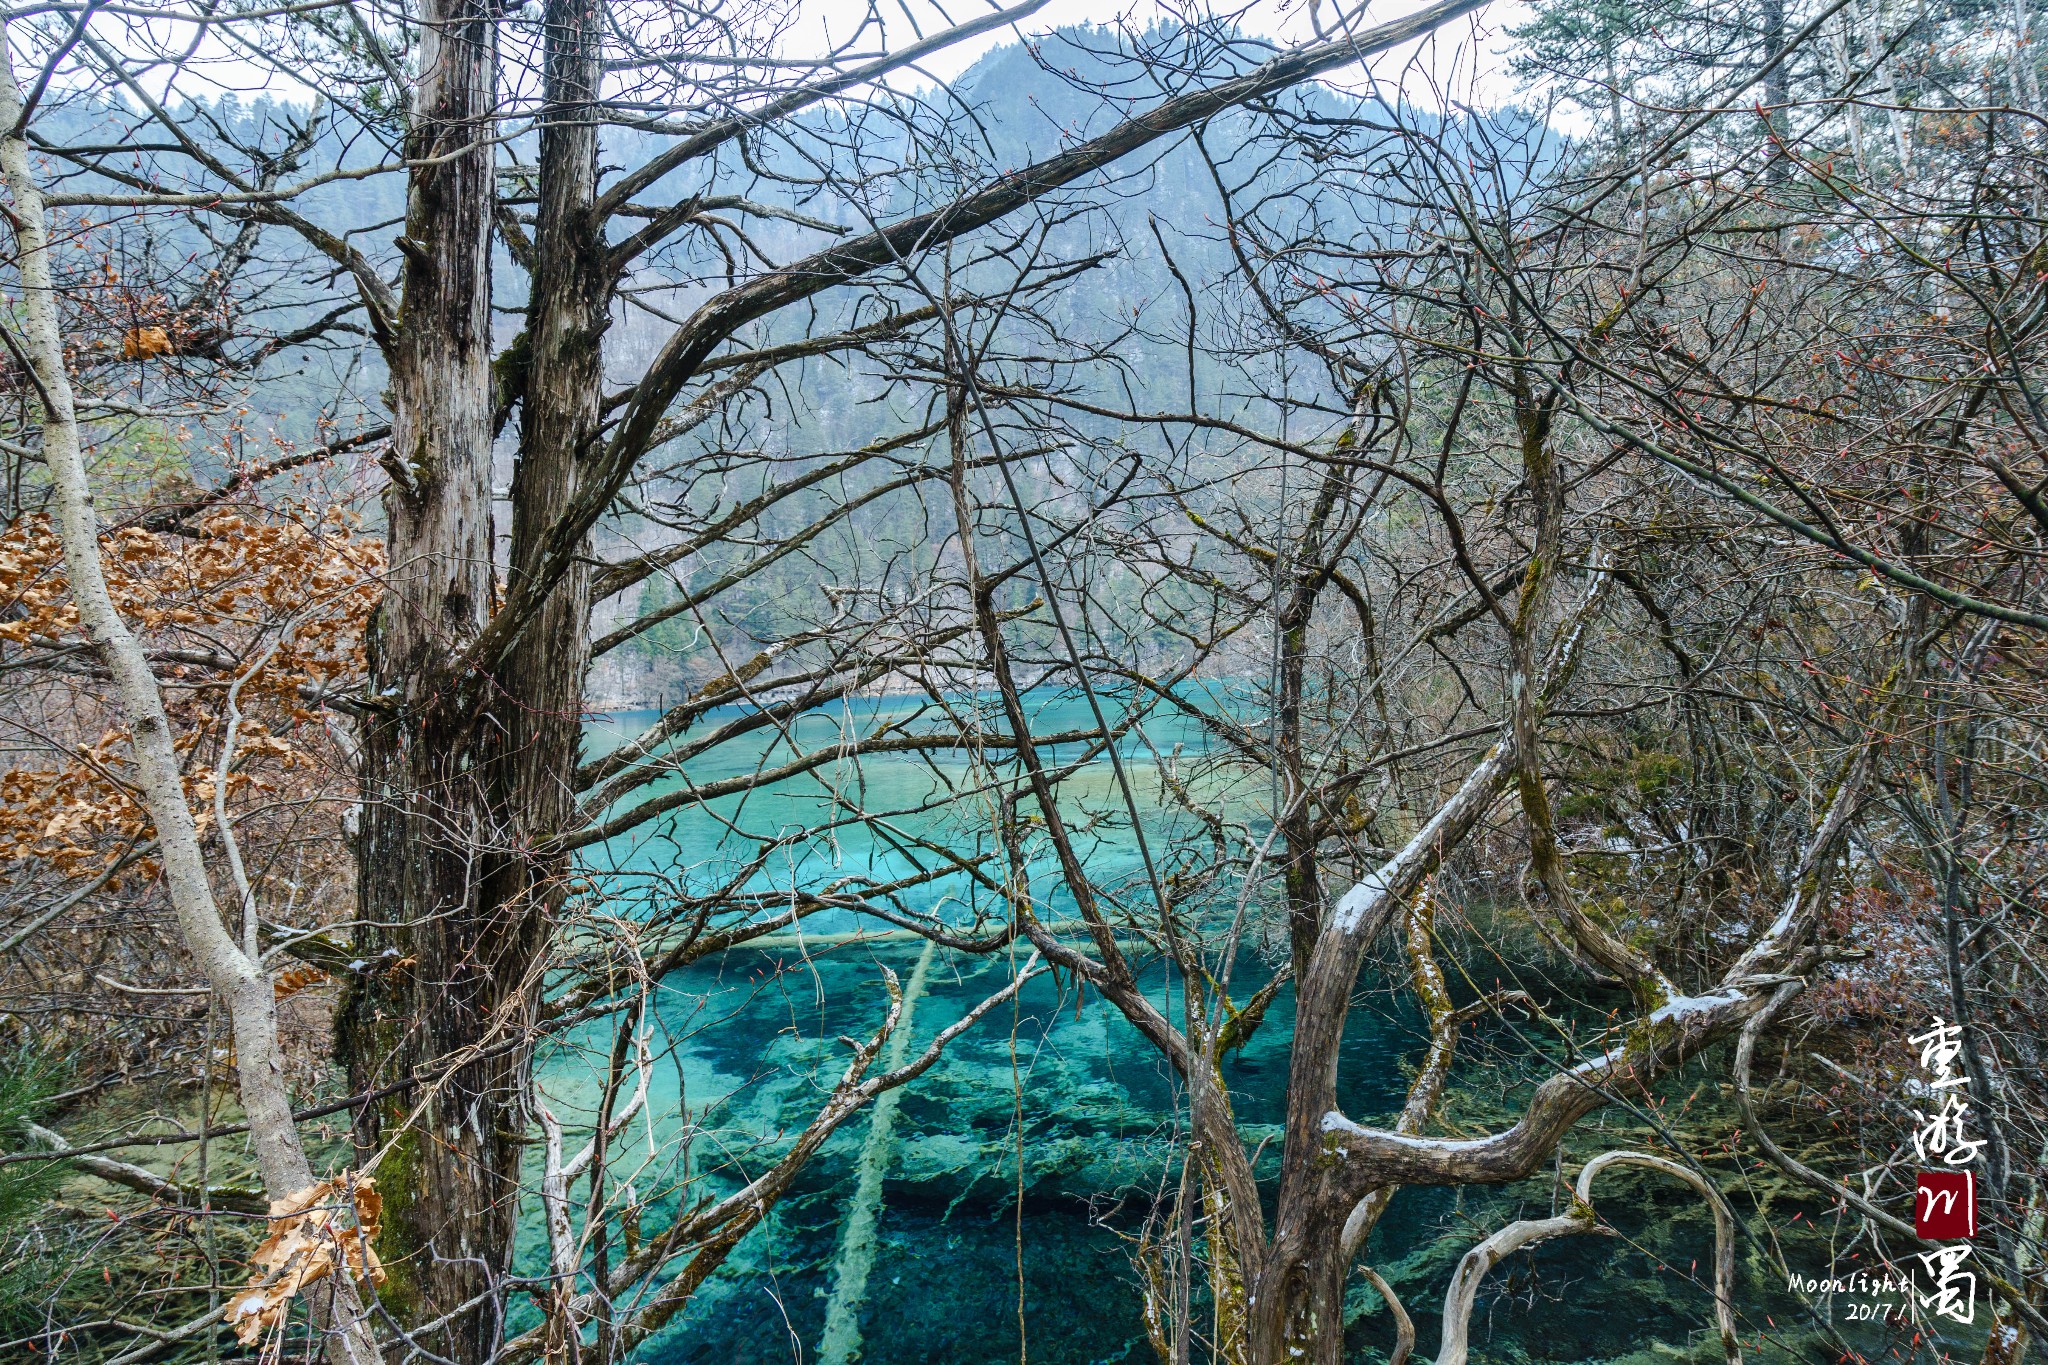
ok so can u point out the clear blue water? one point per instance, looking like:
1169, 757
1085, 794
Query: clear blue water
1025, 1160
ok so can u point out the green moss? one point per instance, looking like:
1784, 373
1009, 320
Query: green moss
398, 1175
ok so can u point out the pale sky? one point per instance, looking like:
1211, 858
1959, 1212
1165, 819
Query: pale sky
1465, 55
1467, 48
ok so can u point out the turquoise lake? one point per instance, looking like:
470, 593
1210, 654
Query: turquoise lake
746, 1047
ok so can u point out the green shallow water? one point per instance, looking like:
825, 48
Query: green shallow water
1020, 1166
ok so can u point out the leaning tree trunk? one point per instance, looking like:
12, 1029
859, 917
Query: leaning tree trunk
235, 971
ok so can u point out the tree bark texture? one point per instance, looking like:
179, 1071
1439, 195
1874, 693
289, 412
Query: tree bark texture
447, 949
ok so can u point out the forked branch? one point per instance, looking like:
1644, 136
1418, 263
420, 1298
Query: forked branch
1581, 1218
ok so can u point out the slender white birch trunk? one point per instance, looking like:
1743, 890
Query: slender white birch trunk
236, 973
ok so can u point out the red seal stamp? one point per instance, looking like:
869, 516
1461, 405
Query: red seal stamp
1945, 1205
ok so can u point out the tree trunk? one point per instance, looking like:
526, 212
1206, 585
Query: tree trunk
467, 778
447, 951
1297, 1304
1301, 574
541, 701
236, 972
1776, 89
538, 704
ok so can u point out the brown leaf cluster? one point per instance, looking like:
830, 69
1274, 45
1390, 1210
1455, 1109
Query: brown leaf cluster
141, 343
328, 1224
299, 977
207, 604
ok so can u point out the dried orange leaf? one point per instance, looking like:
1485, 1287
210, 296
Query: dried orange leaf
142, 342
328, 1223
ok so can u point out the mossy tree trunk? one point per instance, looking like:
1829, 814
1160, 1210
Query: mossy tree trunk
448, 928
469, 760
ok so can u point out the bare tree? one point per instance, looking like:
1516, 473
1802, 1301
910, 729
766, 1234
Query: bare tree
1473, 341
473, 799
1635, 539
